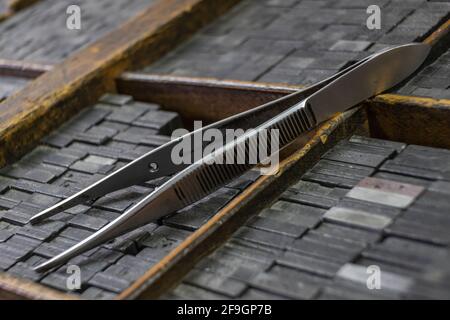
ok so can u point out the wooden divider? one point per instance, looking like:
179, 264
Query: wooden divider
15, 5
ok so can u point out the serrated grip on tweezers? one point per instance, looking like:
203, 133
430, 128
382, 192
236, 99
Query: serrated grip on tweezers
205, 177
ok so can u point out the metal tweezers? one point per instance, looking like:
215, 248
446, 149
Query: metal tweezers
292, 115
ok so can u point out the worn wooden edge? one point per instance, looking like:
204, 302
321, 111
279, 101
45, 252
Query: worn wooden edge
195, 97
15, 6
245, 86
82, 78
174, 92
23, 69
15, 288
439, 41
181, 93
393, 99
4, 15
423, 121
170, 270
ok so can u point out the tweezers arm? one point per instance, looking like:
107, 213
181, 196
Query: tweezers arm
158, 204
139, 170
211, 173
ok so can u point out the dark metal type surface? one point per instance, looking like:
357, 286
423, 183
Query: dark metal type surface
302, 42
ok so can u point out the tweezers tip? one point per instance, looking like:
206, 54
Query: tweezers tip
39, 268
45, 266
33, 220
37, 218
44, 214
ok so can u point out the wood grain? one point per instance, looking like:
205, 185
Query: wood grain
15, 6
14, 288
413, 120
